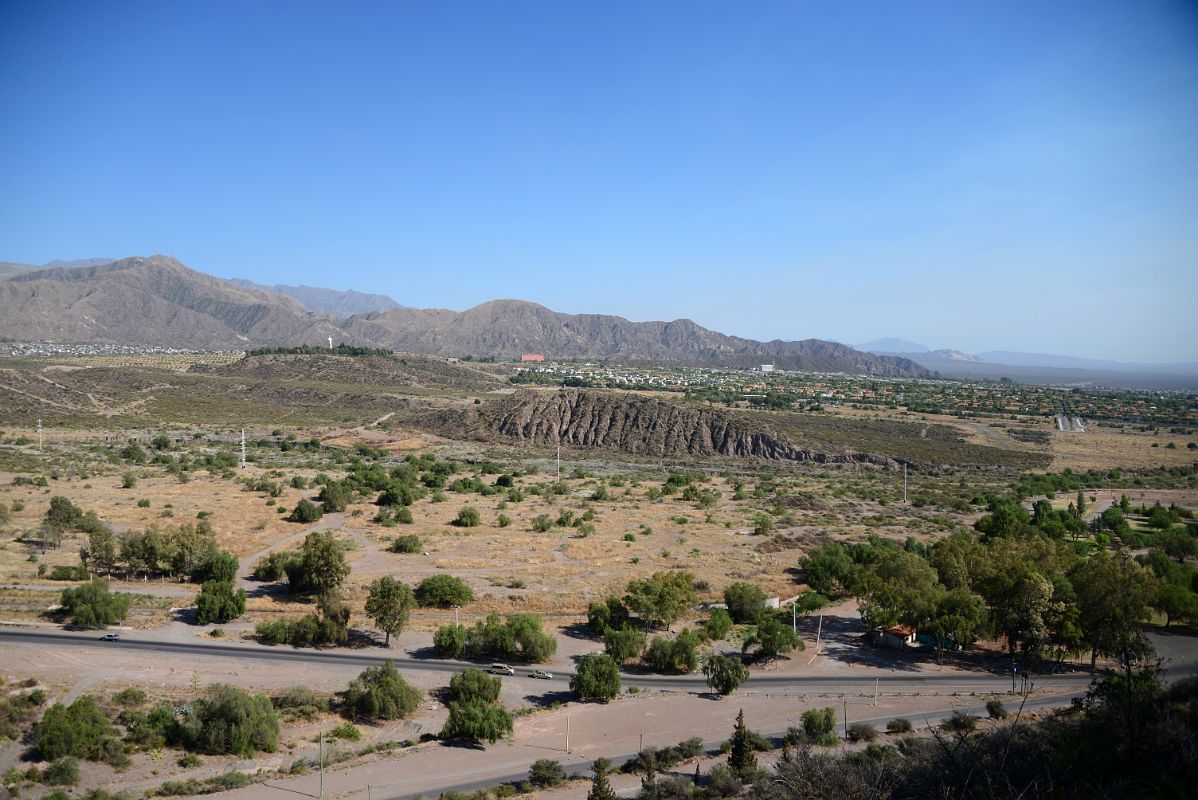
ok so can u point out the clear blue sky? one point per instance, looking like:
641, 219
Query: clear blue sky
1006, 175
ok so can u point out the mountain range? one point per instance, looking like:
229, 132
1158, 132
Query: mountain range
1040, 367
159, 301
327, 301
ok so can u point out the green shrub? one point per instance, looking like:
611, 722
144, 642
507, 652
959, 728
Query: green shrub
450, 641
959, 723
306, 511
819, 726
546, 773
625, 644
474, 684
346, 731
745, 602
717, 625
69, 573
899, 725
230, 721
995, 709
93, 606
679, 654
862, 732
443, 591
468, 517
217, 602
62, 772
408, 543
131, 696
80, 730
477, 721
274, 566
380, 693
597, 677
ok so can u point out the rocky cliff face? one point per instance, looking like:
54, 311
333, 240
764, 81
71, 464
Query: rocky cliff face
636, 425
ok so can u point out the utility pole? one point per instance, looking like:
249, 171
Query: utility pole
322, 763
846, 716
243, 448
818, 632
559, 462
794, 618
567, 736
904, 484
39, 435
876, 691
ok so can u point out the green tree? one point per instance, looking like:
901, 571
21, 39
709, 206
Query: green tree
772, 638
62, 514
717, 625
450, 641
741, 758
228, 721
625, 644
335, 496
819, 726
956, 617
680, 654
477, 721
443, 591
218, 602
320, 567
381, 693
661, 598
79, 730
600, 788
1114, 597
91, 605
596, 678
217, 565
389, 604
745, 602
474, 684
1176, 603
829, 570
100, 551
724, 674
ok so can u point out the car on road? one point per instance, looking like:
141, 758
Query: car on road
111, 637
540, 673
501, 669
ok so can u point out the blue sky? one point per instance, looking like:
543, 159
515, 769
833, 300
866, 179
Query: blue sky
1008, 175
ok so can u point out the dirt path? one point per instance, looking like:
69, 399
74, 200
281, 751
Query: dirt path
328, 522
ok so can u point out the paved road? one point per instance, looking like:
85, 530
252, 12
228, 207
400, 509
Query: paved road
891, 682
424, 785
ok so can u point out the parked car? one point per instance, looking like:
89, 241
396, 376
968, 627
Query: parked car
501, 669
111, 637
542, 674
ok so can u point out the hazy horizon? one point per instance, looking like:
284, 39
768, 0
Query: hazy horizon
999, 176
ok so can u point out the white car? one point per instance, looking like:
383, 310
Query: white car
501, 669
111, 637
540, 673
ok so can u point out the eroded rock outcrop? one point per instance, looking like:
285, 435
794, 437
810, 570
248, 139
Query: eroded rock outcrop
638, 426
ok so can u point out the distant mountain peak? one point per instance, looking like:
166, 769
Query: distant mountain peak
335, 302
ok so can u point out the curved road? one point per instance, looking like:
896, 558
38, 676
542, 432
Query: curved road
913, 682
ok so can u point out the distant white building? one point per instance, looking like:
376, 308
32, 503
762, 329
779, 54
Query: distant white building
767, 367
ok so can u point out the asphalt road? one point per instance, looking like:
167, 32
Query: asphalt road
906, 682
931, 717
